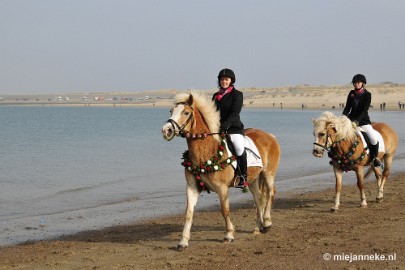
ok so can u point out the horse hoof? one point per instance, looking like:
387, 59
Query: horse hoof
363, 205
333, 209
380, 199
181, 247
227, 240
265, 229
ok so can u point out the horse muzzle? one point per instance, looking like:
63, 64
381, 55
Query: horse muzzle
318, 152
168, 132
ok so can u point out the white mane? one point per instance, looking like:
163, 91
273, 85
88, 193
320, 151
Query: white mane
342, 125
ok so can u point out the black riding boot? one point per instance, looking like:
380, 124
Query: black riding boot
374, 155
242, 161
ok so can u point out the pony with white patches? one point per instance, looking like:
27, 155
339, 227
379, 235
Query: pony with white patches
348, 152
207, 164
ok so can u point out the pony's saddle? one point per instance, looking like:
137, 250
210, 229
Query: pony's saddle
366, 140
252, 153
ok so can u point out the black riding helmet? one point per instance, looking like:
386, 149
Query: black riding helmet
359, 78
226, 72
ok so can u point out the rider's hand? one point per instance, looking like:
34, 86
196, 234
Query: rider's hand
354, 124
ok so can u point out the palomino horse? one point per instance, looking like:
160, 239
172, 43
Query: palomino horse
206, 162
348, 153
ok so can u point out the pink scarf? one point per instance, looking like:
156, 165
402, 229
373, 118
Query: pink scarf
223, 92
359, 92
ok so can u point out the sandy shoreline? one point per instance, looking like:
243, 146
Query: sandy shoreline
289, 97
303, 231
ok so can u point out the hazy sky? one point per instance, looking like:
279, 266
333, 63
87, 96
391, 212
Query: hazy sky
65, 46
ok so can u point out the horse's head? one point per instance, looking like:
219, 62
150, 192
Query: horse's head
323, 132
329, 128
181, 119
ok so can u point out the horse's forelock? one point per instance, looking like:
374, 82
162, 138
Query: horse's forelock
181, 98
320, 123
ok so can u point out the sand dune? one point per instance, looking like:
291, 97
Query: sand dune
289, 97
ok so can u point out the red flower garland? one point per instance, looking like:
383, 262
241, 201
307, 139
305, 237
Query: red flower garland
212, 165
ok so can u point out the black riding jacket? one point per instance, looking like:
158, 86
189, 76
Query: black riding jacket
356, 108
230, 107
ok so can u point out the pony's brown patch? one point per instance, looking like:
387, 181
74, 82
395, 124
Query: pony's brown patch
205, 105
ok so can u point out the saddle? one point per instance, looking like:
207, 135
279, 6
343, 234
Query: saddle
366, 140
252, 153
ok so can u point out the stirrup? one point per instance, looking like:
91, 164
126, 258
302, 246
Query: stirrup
242, 182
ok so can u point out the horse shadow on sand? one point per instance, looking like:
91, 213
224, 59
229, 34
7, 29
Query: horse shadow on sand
170, 230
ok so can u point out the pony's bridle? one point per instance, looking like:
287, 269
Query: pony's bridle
177, 129
324, 147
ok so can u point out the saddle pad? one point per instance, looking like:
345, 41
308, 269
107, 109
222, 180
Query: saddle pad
252, 154
381, 145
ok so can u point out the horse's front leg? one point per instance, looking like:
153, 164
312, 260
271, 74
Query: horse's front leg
192, 198
360, 184
224, 199
338, 187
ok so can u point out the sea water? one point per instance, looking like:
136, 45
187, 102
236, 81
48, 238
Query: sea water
68, 169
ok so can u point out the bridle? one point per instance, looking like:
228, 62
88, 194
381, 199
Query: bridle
324, 147
178, 130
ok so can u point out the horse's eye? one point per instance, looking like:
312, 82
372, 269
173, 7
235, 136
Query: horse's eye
186, 113
321, 134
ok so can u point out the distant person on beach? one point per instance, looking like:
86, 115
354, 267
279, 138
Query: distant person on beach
229, 102
356, 109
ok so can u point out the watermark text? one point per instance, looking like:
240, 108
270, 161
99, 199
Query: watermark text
353, 257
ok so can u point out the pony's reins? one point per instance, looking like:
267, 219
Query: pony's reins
344, 161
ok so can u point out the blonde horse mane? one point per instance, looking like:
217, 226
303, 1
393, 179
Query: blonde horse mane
206, 107
341, 124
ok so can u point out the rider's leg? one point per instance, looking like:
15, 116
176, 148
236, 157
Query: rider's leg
371, 133
238, 142
242, 160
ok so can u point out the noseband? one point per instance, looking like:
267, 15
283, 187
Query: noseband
175, 124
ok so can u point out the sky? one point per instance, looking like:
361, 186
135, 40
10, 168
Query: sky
71, 46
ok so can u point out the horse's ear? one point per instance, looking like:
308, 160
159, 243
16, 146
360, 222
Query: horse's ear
190, 100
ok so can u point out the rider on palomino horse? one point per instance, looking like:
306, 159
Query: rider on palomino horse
229, 102
356, 109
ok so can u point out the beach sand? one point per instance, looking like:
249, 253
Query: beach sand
303, 231
303, 227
